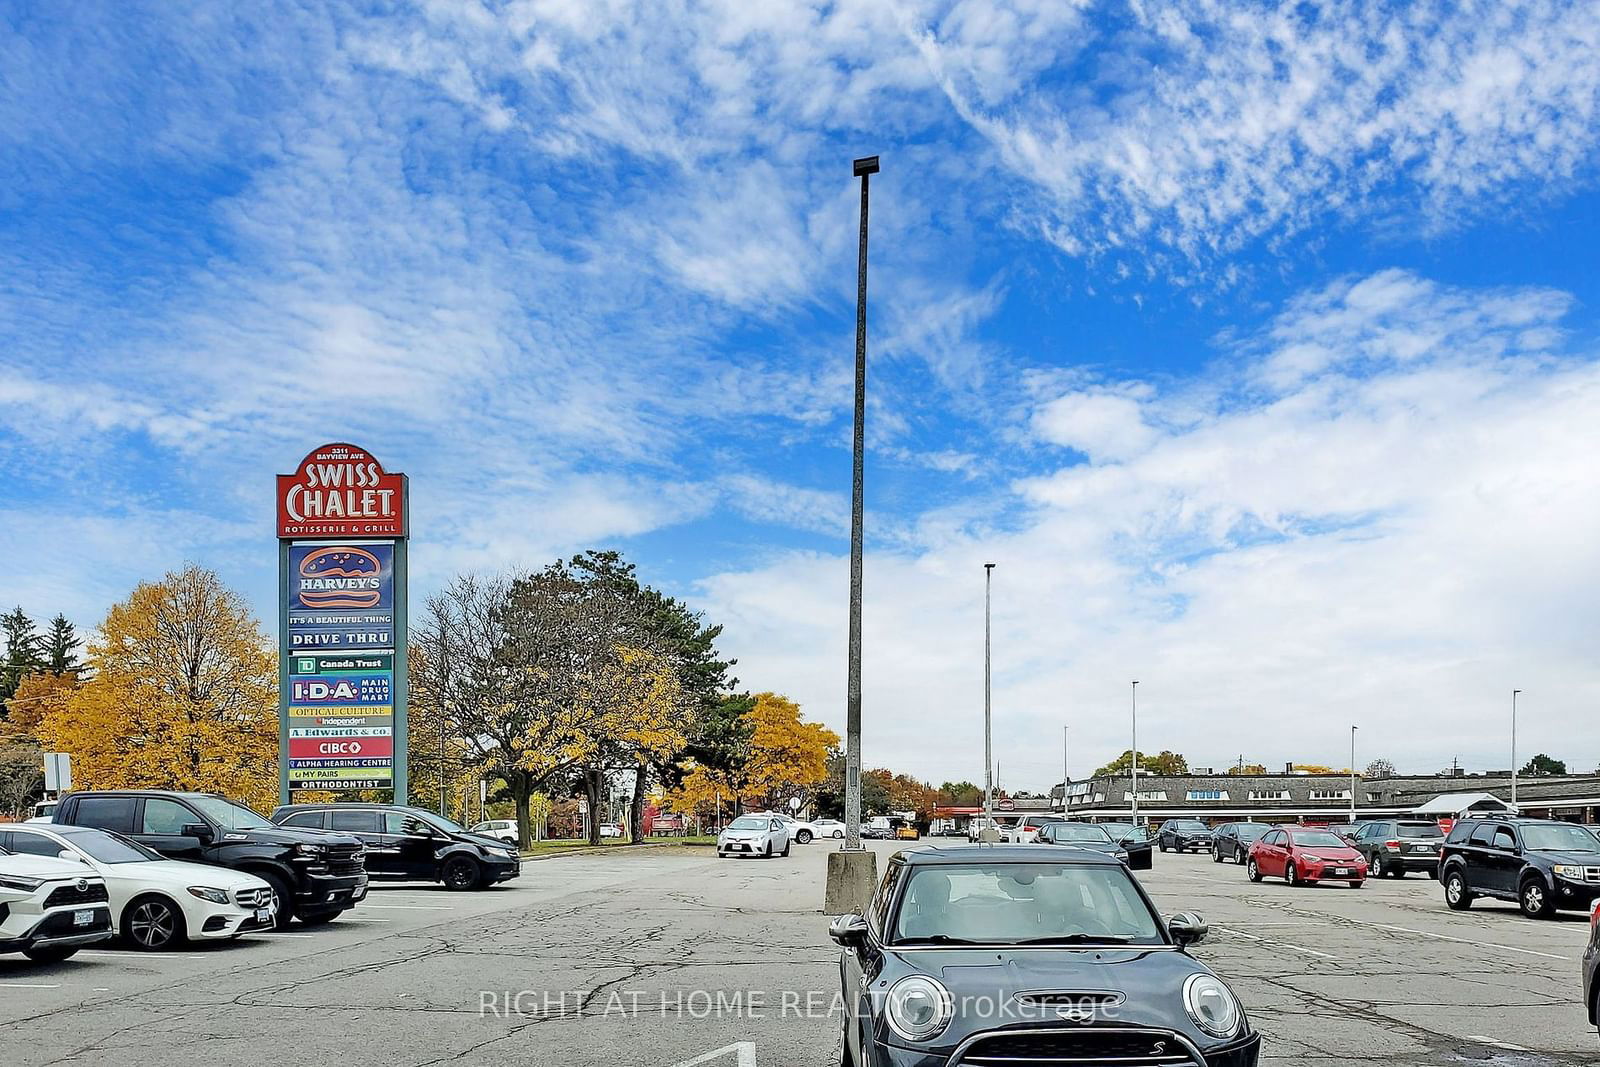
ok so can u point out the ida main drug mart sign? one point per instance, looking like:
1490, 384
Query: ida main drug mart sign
339, 490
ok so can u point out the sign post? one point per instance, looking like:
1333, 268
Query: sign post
343, 527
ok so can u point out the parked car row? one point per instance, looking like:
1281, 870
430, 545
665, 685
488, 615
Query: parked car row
159, 868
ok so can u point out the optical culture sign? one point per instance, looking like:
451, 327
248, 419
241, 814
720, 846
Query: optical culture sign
341, 491
342, 632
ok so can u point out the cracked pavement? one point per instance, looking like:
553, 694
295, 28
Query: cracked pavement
651, 957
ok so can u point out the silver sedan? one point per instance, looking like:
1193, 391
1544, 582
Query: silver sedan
754, 835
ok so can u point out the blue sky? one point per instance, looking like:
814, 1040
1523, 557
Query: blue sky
1256, 344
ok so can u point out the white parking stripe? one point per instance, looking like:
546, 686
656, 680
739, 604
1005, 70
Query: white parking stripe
411, 907
1459, 940
27, 985
1508, 1046
1282, 944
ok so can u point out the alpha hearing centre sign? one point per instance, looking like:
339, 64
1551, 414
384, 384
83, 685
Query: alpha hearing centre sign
341, 595
342, 526
339, 490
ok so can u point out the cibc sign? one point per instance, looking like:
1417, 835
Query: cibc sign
342, 537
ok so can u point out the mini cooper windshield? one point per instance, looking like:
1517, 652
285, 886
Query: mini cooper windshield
1024, 904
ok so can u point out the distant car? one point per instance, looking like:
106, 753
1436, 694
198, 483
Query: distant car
801, 833
1346, 830
1397, 846
1542, 864
877, 833
50, 908
44, 811
610, 829
1064, 938
499, 829
828, 828
1591, 964
156, 903
1081, 835
1184, 835
1135, 840
1303, 856
411, 844
1232, 840
1026, 829
754, 835
977, 825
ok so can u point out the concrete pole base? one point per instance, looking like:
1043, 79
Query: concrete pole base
852, 877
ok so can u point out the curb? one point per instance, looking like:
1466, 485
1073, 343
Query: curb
591, 850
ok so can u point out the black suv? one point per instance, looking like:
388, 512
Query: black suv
1541, 864
1182, 835
1232, 840
410, 844
1394, 847
314, 875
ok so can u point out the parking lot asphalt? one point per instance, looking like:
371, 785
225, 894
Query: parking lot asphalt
661, 957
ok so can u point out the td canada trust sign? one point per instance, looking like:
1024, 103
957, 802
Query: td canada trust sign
342, 564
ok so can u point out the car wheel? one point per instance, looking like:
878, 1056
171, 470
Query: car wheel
768, 853
1252, 871
1290, 875
153, 924
50, 954
282, 899
460, 873
804, 837
1162, 845
1216, 855
1356, 885
1398, 872
1535, 900
839, 834
1455, 891
785, 851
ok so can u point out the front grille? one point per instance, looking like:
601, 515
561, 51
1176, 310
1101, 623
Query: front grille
91, 893
1126, 1048
64, 924
345, 860
252, 898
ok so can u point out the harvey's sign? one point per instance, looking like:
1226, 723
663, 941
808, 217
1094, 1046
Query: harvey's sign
339, 490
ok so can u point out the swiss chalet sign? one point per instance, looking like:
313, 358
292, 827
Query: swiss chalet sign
339, 490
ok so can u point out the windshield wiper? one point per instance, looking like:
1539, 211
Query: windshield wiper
1077, 939
938, 939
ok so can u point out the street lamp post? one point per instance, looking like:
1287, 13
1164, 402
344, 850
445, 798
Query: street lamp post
1514, 693
988, 744
1352, 774
1066, 766
1135, 762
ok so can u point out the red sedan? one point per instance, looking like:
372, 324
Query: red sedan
1306, 857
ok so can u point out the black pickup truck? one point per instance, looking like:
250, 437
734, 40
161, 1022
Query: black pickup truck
314, 874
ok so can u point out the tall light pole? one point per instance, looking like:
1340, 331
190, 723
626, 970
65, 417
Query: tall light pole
1514, 693
988, 744
1352, 773
1066, 766
864, 169
1135, 765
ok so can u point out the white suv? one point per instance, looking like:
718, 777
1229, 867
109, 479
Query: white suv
50, 908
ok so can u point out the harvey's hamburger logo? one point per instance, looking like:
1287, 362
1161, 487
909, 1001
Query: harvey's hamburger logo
342, 491
337, 578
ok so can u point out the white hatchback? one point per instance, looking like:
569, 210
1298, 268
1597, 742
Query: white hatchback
156, 903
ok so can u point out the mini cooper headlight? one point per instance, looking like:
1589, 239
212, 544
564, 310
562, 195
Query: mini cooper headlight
1211, 1005
918, 1008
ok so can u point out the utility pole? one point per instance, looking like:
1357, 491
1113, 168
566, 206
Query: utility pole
1066, 767
1135, 762
1514, 693
988, 744
1352, 773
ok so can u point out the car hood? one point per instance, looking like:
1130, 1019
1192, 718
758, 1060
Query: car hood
179, 872
284, 835
1576, 859
46, 867
1149, 981
481, 839
743, 835
1330, 855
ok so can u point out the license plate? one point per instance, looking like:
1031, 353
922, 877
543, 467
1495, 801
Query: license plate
263, 915
83, 918
1341, 870
1420, 848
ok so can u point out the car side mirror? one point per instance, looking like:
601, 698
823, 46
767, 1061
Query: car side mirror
69, 855
849, 931
1186, 928
197, 830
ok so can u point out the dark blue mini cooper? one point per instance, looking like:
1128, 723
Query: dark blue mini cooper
982, 956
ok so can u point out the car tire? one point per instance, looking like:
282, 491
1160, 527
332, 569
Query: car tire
1356, 885
1534, 898
153, 923
1162, 845
838, 835
785, 851
1456, 895
1291, 875
804, 837
767, 855
50, 954
282, 899
1216, 854
1433, 872
1252, 871
461, 874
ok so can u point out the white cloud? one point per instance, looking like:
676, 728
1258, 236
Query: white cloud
1103, 424
1396, 549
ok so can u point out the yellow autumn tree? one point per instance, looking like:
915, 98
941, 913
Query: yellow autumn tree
788, 756
35, 695
183, 695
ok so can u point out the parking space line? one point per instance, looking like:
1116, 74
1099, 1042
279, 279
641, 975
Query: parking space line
1459, 940
411, 907
28, 985
1282, 944
279, 933
1508, 1046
